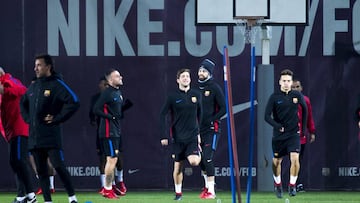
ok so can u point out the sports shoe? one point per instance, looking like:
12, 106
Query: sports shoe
292, 190
33, 200
178, 196
118, 191
122, 187
102, 190
203, 192
278, 190
208, 195
73, 201
300, 188
18, 201
39, 191
110, 194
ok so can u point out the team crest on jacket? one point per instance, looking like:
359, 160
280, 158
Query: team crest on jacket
295, 100
47, 93
207, 93
194, 99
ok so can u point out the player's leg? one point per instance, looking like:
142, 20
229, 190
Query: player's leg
102, 162
203, 171
179, 157
276, 167
52, 173
293, 144
302, 173
40, 158
56, 157
120, 187
178, 179
192, 153
209, 147
111, 151
19, 164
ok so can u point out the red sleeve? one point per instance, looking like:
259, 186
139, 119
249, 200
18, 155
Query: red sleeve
13, 87
310, 121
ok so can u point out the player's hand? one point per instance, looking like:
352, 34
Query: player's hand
312, 138
48, 119
164, 142
282, 129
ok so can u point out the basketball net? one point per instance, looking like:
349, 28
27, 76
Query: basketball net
249, 27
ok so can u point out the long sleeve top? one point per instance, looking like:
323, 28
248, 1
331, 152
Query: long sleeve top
310, 125
282, 111
13, 123
109, 109
185, 111
213, 105
47, 96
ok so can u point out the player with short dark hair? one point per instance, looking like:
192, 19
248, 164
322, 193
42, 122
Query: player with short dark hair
184, 106
281, 113
310, 126
47, 103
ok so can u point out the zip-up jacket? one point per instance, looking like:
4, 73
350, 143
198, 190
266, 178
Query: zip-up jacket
213, 106
310, 125
282, 111
109, 108
47, 96
12, 121
186, 113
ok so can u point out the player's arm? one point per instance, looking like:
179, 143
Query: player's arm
13, 88
24, 108
70, 102
304, 111
162, 122
268, 114
310, 121
199, 110
220, 101
100, 104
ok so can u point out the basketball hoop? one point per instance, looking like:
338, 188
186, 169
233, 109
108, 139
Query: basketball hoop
249, 26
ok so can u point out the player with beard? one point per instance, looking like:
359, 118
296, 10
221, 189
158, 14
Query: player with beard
184, 106
109, 108
213, 103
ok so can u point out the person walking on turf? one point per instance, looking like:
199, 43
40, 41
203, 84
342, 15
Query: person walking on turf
48, 103
310, 125
281, 113
184, 105
213, 105
16, 134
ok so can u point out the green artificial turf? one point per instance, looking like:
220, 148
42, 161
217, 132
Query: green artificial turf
193, 197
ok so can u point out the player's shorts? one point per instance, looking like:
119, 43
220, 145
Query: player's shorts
284, 147
110, 146
182, 150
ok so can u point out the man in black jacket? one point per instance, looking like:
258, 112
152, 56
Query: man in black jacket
281, 113
213, 104
48, 103
184, 105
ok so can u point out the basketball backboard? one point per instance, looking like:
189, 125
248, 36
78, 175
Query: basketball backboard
274, 12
